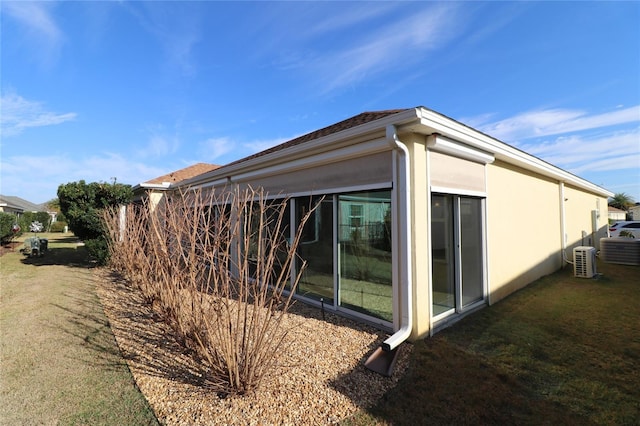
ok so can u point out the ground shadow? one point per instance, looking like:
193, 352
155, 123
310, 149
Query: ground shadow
72, 257
93, 331
445, 385
146, 340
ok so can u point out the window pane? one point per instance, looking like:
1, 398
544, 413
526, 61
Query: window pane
365, 253
442, 253
316, 248
471, 249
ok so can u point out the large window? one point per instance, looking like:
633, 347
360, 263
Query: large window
365, 266
345, 246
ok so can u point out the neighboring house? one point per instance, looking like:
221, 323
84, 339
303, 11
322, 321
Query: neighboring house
155, 188
634, 212
416, 226
12, 204
616, 214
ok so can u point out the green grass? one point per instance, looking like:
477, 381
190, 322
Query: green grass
564, 350
59, 362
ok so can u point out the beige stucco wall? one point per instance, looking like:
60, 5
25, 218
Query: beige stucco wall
579, 229
523, 228
420, 231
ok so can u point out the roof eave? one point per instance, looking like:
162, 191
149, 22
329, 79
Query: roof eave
432, 122
315, 146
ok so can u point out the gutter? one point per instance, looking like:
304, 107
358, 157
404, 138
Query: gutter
405, 287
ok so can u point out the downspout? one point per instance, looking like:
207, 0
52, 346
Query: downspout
563, 226
404, 215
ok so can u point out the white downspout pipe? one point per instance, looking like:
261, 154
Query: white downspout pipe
405, 286
563, 226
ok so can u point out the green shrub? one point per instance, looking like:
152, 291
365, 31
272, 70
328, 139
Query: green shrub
58, 226
7, 220
82, 204
27, 218
98, 250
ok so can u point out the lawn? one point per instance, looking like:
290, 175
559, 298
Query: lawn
563, 350
59, 362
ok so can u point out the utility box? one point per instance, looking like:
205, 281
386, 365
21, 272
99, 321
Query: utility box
584, 262
622, 250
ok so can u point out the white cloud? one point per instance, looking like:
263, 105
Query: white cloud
397, 44
547, 122
159, 143
176, 27
213, 149
217, 150
261, 145
19, 114
41, 29
585, 154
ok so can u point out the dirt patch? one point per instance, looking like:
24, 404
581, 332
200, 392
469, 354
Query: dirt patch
321, 378
10, 247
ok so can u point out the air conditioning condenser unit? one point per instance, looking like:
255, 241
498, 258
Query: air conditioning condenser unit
584, 262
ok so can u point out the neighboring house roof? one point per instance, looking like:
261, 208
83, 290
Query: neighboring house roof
615, 210
419, 120
182, 174
17, 203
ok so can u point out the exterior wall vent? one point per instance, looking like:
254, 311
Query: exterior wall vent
584, 262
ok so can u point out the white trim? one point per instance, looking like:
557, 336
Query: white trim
419, 120
344, 189
335, 246
228, 174
432, 122
309, 149
429, 247
443, 145
457, 191
369, 318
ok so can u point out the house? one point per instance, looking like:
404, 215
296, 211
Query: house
634, 212
17, 205
155, 188
615, 214
415, 227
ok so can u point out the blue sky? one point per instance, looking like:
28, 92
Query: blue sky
134, 90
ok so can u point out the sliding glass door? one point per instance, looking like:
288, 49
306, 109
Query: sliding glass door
457, 250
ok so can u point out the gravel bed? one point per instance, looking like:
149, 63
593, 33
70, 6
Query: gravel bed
321, 379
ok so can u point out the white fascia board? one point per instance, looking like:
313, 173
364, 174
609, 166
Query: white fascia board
161, 186
433, 122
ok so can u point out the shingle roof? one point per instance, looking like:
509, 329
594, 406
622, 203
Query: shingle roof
615, 210
21, 203
183, 174
354, 121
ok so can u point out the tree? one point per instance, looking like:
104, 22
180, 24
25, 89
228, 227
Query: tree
621, 201
82, 205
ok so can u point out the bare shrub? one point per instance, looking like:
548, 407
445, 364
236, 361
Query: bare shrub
218, 268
